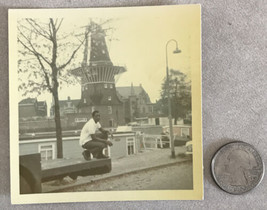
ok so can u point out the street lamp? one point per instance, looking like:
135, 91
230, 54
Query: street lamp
169, 98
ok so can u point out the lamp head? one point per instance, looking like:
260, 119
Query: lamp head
177, 51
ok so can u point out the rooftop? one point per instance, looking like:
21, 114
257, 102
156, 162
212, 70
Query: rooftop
127, 91
28, 101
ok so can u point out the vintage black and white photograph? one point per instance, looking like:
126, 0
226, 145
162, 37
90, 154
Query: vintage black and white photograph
105, 100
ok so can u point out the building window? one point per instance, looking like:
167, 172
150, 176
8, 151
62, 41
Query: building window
109, 98
109, 110
185, 132
111, 86
111, 123
144, 110
47, 151
69, 104
84, 100
157, 121
93, 109
130, 146
84, 87
105, 85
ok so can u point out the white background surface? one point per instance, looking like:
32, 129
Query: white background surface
234, 81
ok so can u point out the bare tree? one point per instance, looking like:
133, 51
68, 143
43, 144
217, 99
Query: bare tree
44, 53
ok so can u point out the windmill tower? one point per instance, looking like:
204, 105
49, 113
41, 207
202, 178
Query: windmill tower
98, 80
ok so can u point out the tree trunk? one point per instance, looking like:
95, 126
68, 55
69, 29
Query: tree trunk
58, 125
55, 90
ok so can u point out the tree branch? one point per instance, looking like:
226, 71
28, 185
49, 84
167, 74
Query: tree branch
57, 28
31, 48
41, 64
34, 24
54, 41
72, 56
45, 75
50, 30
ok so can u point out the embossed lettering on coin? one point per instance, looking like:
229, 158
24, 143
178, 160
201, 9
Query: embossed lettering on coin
237, 167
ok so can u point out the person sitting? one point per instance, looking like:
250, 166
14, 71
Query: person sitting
94, 142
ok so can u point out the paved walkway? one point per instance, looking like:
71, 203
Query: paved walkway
146, 159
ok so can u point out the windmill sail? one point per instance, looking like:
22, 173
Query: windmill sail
100, 68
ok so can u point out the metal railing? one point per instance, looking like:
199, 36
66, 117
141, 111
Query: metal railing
149, 141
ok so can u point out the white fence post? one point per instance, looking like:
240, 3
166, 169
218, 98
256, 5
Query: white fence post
144, 141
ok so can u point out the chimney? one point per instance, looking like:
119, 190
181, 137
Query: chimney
132, 90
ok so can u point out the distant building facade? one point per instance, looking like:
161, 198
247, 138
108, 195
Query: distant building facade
68, 106
31, 107
136, 103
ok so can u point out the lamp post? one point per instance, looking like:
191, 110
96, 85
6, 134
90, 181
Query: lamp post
169, 98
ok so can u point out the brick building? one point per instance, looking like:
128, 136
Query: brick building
68, 106
136, 102
31, 107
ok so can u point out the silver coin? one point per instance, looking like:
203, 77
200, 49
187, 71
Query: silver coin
237, 167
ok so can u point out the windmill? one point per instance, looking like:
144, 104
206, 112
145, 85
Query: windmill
97, 75
100, 69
